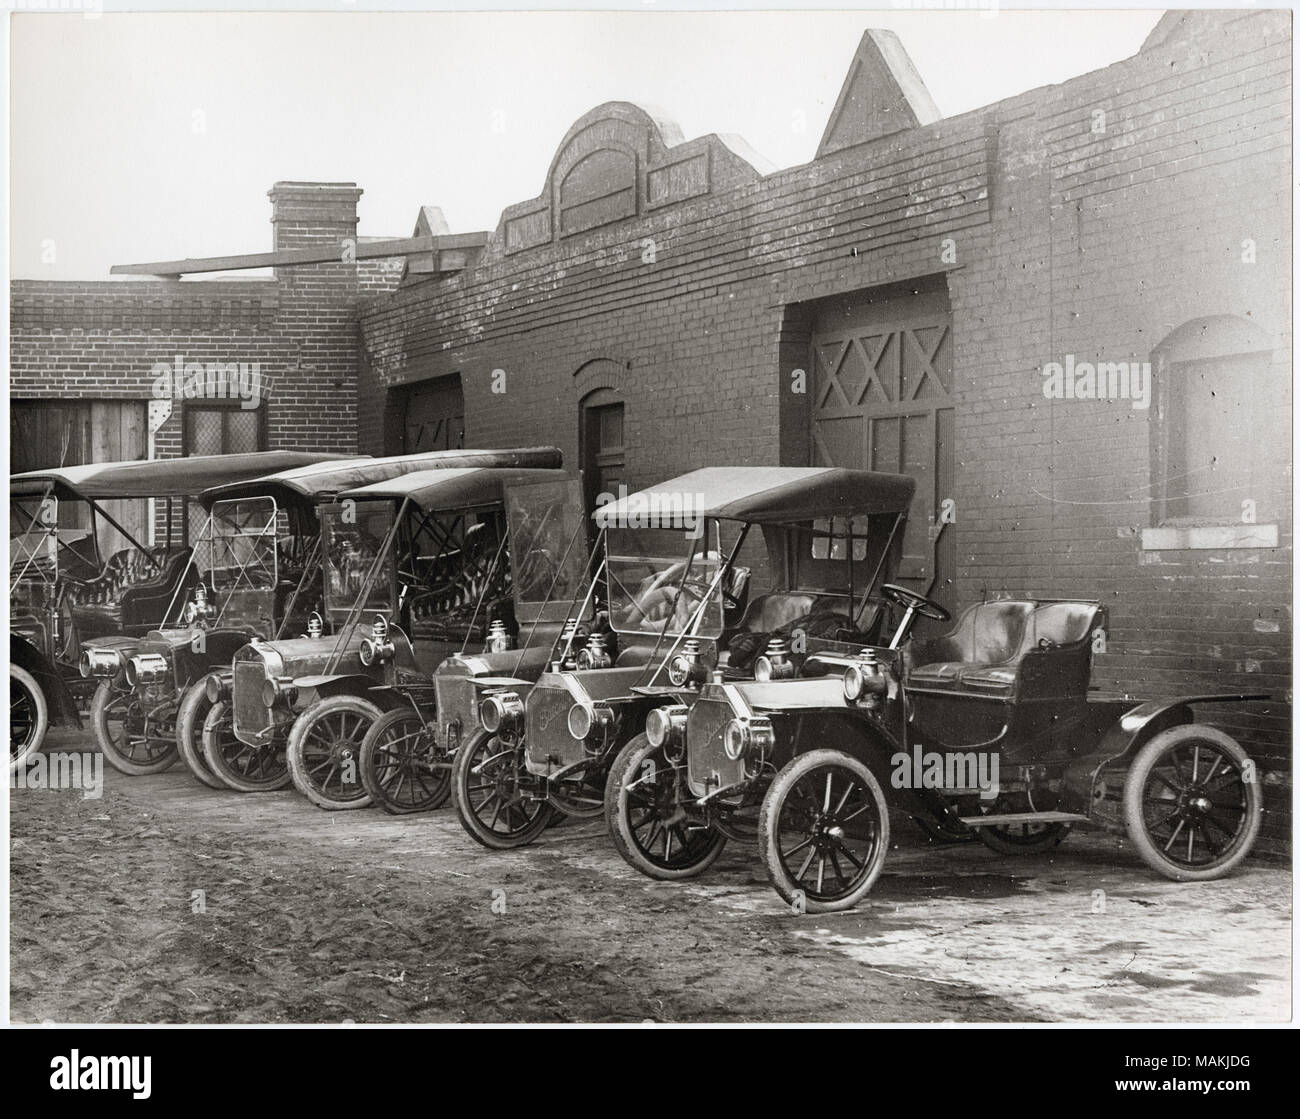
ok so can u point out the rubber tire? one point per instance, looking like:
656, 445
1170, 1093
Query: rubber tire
371, 780
626, 768
190, 718
1135, 781
1048, 840
21, 678
298, 739
215, 717
460, 778
114, 757
774, 799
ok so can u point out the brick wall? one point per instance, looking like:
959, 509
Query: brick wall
101, 339
1091, 218
1073, 233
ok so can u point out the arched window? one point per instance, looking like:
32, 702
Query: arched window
1223, 413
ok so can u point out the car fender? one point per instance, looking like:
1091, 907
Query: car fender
857, 733
58, 696
1126, 736
312, 688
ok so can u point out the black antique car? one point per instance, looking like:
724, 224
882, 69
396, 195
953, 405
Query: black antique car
255, 572
398, 579
675, 580
407, 753
988, 728
65, 592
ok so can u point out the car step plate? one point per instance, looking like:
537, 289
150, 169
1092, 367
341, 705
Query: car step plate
1024, 818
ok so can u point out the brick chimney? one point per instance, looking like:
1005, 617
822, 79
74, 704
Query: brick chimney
313, 401
312, 215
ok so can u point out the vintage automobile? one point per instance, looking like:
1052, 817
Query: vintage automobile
988, 727
679, 606
256, 567
390, 569
407, 753
65, 592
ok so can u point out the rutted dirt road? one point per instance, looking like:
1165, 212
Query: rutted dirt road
166, 901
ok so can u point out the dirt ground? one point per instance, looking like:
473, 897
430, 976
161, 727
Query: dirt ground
164, 901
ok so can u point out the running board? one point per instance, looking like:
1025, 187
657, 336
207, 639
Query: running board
1024, 818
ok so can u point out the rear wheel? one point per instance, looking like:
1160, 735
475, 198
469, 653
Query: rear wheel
238, 766
29, 716
1192, 803
133, 741
645, 812
1027, 838
493, 793
402, 767
324, 751
824, 831
190, 717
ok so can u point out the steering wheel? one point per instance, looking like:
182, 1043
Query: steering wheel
917, 603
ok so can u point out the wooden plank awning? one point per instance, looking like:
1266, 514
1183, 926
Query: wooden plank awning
361, 250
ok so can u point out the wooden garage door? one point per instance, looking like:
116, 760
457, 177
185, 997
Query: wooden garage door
435, 416
883, 400
45, 433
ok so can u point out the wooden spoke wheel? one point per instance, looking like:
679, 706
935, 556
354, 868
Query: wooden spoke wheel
824, 831
1192, 803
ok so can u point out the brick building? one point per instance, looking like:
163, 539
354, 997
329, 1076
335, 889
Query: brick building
1066, 313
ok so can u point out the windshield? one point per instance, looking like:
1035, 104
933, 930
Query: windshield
660, 581
353, 533
238, 545
547, 549
34, 538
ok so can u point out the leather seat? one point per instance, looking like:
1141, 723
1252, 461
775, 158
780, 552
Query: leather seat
1050, 626
987, 635
135, 605
769, 612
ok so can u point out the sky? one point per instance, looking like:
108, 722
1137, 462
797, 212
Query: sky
155, 136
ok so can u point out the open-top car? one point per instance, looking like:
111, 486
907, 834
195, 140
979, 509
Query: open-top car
257, 573
66, 592
675, 578
395, 578
449, 534
407, 753
987, 728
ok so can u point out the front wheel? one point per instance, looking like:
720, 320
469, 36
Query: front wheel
324, 751
190, 717
646, 816
402, 767
493, 793
238, 766
29, 716
1193, 802
133, 741
824, 831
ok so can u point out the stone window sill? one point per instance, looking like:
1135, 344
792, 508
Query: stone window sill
1208, 537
